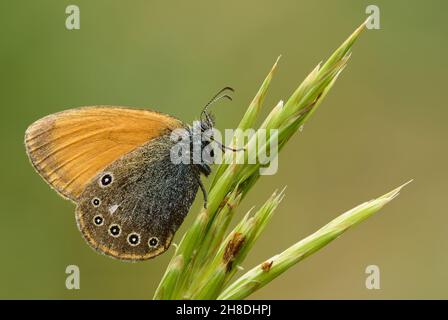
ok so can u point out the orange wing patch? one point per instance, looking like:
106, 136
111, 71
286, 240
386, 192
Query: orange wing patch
69, 148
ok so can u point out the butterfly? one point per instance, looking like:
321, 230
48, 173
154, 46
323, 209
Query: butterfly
115, 164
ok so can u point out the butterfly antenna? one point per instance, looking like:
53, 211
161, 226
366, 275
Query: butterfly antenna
216, 98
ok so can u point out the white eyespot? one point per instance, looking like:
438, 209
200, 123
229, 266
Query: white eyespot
106, 179
153, 242
113, 208
96, 202
114, 230
134, 239
98, 220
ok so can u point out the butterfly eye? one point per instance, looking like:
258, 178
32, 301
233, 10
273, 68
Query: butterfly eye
96, 202
134, 239
153, 242
98, 220
114, 230
106, 180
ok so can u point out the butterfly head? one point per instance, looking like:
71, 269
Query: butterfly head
202, 132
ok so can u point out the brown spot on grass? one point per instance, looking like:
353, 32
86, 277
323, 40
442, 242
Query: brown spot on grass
231, 206
266, 266
232, 249
223, 203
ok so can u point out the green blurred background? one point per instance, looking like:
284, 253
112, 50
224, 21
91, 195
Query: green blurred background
384, 123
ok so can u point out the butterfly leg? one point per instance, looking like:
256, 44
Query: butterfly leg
224, 147
204, 192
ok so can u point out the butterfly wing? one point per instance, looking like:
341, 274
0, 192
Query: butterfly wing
69, 148
133, 207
